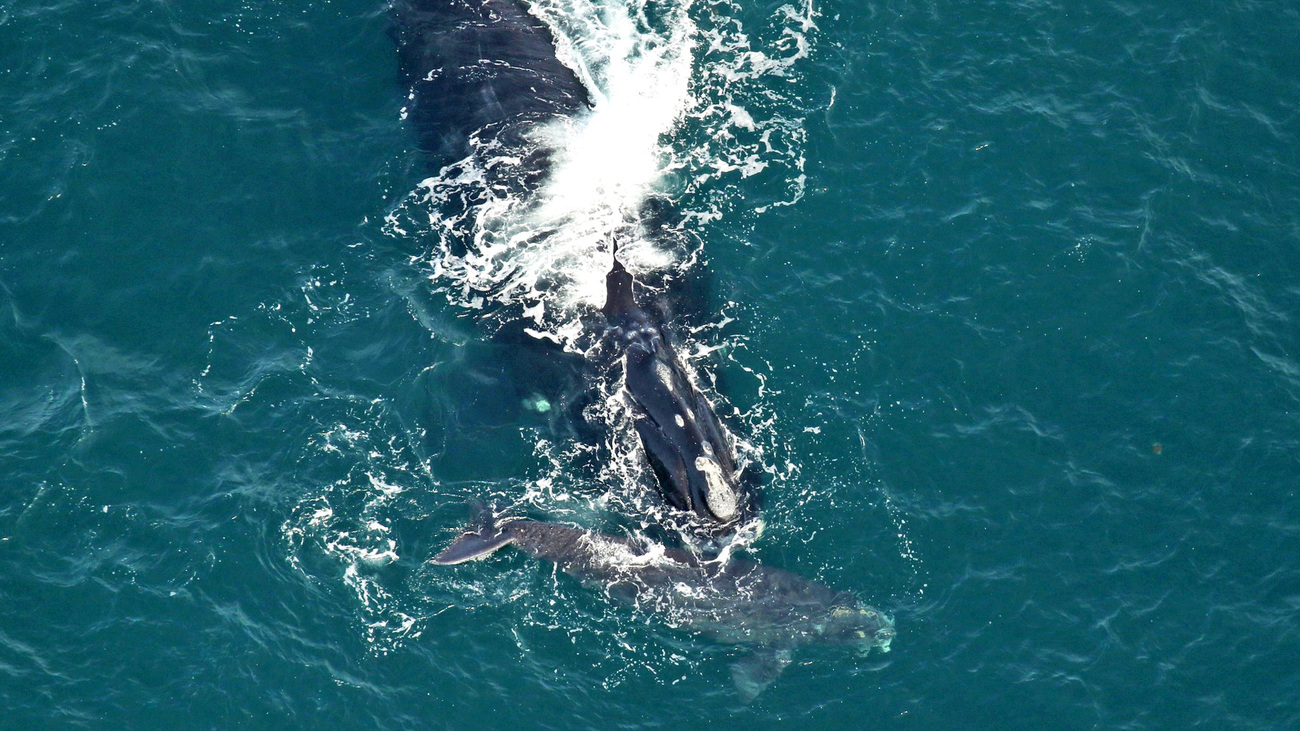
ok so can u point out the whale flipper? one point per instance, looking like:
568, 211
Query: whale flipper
752, 673
484, 537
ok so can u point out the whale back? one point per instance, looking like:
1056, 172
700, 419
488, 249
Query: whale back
620, 304
478, 67
689, 454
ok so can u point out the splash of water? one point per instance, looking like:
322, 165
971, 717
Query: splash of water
679, 106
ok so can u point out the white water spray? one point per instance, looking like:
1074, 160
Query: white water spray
678, 106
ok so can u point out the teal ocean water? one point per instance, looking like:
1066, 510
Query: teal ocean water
1002, 299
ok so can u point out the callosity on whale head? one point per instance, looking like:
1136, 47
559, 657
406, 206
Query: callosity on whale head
860, 626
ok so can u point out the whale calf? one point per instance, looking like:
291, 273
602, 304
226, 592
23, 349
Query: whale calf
733, 601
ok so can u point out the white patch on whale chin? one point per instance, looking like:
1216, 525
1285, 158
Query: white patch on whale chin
618, 555
720, 497
665, 375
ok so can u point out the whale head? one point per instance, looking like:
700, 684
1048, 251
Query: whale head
863, 627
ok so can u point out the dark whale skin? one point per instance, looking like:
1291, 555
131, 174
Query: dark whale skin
683, 440
479, 67
485, 72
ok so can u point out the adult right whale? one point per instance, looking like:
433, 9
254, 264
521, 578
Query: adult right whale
684, 443
731, 600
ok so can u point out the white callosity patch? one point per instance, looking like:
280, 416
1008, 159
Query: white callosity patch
721, 498
665, 376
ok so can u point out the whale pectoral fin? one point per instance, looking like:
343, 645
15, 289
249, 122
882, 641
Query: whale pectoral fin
755, 671
484, 537
471, 546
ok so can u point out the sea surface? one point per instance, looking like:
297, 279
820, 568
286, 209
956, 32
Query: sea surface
1003, 301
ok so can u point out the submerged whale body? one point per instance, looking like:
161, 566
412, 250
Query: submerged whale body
683, 440
736, 601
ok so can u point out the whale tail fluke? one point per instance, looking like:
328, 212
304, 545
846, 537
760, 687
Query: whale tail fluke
618, 290
484, 536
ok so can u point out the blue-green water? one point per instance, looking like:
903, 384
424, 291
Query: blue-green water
1006, 307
